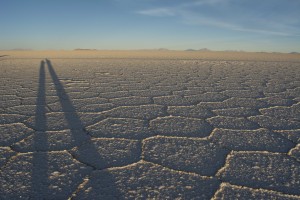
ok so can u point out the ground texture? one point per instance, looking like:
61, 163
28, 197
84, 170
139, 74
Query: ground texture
149, 128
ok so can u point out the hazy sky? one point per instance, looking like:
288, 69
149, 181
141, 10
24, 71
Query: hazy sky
251, 25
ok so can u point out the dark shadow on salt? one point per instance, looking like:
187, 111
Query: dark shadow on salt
40, 182
78, 130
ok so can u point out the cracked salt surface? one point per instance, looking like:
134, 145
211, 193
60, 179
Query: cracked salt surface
145, 180
110, 152
180, 126
251, 140
156, 127
266, 170
191, 155
41, 175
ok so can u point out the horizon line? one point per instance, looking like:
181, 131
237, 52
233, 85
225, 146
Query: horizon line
152, 49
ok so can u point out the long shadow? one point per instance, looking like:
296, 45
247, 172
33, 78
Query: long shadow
40, 182
67, 106
40, 112
75, 124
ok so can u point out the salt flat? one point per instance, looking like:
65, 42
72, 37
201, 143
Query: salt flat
149, 125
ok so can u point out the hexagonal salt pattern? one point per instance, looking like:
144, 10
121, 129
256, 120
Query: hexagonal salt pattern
11, 133
108, 152
41, 176
251, 140
180, 126
168, 128
147, 181
272, 171
121, 128
192, 155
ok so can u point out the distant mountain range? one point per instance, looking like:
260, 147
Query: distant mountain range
20, 49
203, 49
158, 49
85, 49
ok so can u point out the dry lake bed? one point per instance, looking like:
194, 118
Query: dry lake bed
149, 125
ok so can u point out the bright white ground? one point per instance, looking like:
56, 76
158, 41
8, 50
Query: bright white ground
149, 128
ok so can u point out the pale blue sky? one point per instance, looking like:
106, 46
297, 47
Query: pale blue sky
250, 25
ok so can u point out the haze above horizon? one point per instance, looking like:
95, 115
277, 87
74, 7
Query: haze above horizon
269, 25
